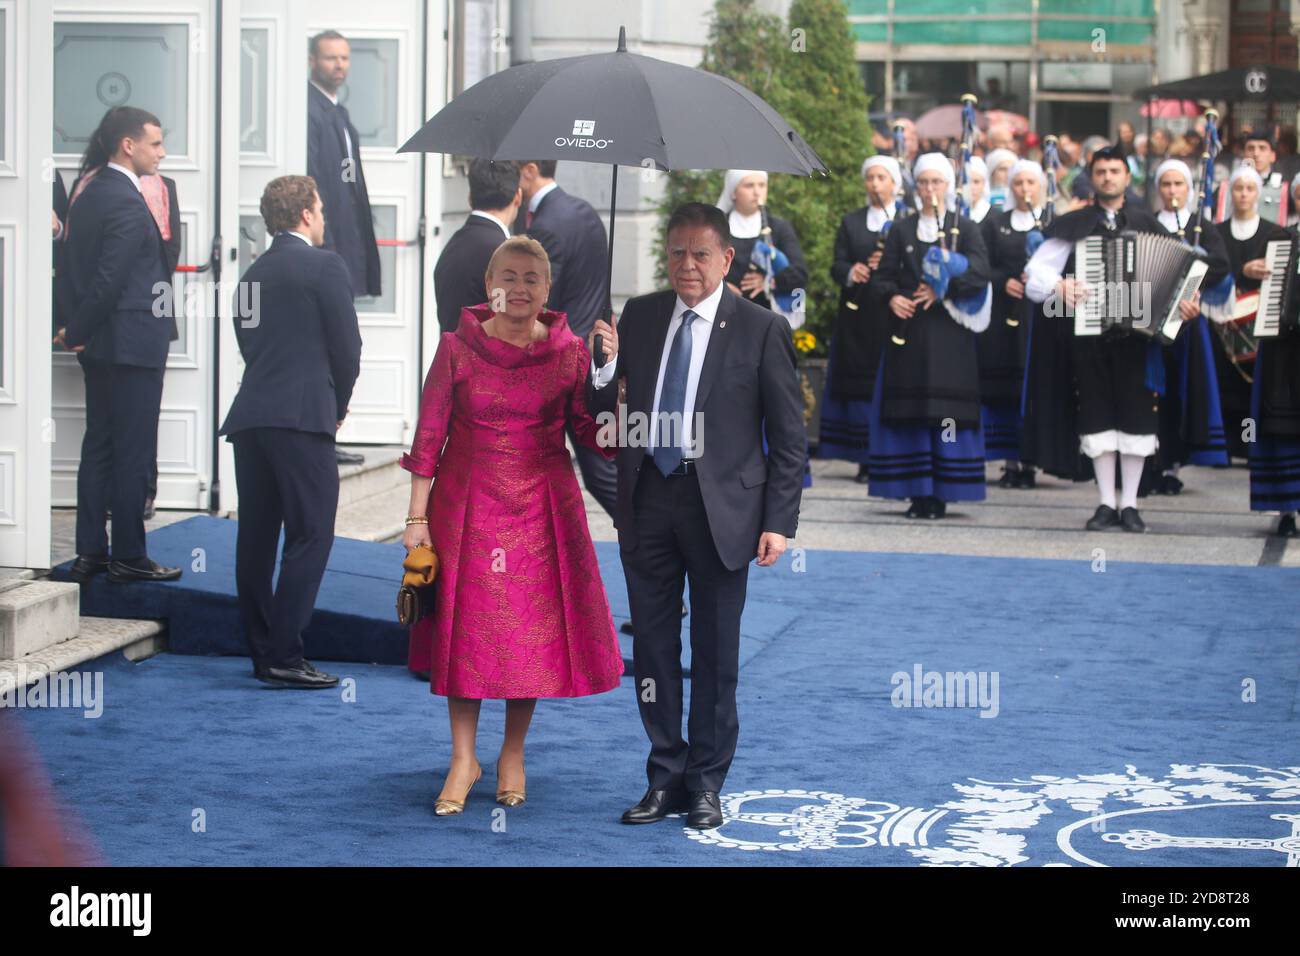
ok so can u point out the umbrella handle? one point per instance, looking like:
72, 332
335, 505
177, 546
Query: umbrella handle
597, 349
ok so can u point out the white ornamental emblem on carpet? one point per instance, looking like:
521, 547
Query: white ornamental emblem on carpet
985, 826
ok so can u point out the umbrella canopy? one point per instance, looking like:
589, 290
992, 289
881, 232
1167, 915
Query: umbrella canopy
1241, 84
1171, 109
940, 122
619, 108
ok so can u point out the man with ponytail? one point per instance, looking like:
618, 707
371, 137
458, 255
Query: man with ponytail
112, 278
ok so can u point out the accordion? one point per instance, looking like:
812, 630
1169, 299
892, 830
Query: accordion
1136, 281
1278, 291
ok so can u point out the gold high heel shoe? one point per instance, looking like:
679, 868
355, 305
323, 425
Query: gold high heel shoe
446, 808
509, 798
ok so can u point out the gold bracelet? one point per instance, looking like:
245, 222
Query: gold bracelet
417, 519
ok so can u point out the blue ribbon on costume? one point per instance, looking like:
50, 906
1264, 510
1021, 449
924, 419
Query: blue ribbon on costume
939, 267
1033, 240
772, 260
1218, 300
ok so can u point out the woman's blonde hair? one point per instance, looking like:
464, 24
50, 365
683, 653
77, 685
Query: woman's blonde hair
525, 245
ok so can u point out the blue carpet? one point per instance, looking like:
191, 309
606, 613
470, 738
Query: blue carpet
1144, 716
355, 618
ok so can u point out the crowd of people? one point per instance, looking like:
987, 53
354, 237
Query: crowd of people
1006, 378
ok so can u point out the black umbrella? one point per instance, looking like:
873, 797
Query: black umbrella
619, 108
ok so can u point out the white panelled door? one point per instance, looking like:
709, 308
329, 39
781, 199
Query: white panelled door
159, 59
26, 187
382, 96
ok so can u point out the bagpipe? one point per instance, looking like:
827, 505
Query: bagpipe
859, 290
1043, 216
769, 260
942, 262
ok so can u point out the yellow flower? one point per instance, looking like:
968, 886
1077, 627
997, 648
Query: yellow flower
804, 340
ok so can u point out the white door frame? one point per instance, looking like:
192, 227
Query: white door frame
26, 425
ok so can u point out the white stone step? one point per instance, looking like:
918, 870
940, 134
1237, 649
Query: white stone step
99, 636
379, 473
380, 517
35, 615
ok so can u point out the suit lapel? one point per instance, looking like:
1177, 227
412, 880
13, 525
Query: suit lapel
719, 337
654, 354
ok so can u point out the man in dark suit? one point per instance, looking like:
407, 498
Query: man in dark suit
302, 353
575, 240
114, 271
334, 161
458, 278
702, 501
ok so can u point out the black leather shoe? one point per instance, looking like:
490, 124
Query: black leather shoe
706, 810
141, 569
1130, 520
1025, 477
657, 804
1285, 526
348, 457
303, 676
87, 566
918, 508
626, 627
862, 476
934, 509
1010, 478
425, 676
1104, 517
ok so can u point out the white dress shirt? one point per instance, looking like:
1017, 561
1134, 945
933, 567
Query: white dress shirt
294, 232
491, 218
540, 195
128, 173
701, 328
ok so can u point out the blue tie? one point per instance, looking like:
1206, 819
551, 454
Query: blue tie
673, 398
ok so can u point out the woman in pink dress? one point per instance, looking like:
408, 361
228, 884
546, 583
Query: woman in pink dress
520, 610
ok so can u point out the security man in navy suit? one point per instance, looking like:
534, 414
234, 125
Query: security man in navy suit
458, 278
298, 335
334, 161
702, 500
114, 284
574, 238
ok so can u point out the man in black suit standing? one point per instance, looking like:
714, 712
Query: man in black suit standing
703, 372
334, 161
302, 353
458, 278
112, 279
574, 238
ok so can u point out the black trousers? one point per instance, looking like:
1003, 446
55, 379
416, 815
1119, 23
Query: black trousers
290, 478
599, 475
675, 545
118, 455
1111, 373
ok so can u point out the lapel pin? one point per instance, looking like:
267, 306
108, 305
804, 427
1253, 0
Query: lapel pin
722, 324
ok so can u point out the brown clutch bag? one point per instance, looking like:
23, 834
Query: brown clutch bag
415, 596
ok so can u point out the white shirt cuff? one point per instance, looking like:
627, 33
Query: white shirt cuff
600, 377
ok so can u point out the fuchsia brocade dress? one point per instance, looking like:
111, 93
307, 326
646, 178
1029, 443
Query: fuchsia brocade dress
520, 608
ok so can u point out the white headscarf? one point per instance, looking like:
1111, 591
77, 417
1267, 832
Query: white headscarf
929, 161
727, 201
890, 164
996, 159
1247, 170
1177, 166
977, 165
